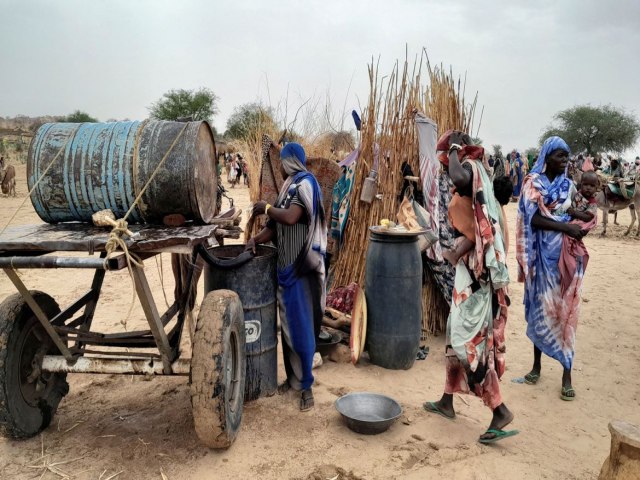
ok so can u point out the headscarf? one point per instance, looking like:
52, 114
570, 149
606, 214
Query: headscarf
549, 146
294, 150
472, 152
312, 255
293, 159
540, 195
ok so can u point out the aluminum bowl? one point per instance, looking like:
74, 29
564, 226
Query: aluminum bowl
368, 413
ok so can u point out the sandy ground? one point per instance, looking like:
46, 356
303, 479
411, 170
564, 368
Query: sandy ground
143, 428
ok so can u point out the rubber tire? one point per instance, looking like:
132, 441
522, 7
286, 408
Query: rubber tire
19, 419
216, 418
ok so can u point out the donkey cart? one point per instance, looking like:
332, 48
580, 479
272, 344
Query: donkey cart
40, 343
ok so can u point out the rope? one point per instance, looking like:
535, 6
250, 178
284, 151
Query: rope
160, 268
155, 172
62, 149
116, 240
115, 237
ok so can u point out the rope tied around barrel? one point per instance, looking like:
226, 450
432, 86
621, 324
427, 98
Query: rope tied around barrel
116, 241
120, 226
116, 244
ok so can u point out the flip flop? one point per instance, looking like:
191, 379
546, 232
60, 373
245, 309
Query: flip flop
564, 394
306, 401
499, 435
431, 407
531, 378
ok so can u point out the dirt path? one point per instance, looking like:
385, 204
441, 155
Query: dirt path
143, 428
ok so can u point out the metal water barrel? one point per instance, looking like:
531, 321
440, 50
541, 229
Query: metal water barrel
393, 287
255, 281
106, 166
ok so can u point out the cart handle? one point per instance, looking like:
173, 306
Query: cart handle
225, 264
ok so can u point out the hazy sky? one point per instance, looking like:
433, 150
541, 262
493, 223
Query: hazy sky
527, 59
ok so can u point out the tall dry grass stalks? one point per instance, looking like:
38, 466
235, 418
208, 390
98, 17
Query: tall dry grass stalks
388, 123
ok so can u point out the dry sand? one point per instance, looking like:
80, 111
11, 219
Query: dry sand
143, 428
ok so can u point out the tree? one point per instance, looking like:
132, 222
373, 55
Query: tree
476, 140
497, 150
79, 117
595, 129
533, 151
176, 104
248, 119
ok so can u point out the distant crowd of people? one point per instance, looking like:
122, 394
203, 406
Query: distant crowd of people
516, 168
236, 168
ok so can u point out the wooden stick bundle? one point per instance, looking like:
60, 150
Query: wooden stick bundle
388, 131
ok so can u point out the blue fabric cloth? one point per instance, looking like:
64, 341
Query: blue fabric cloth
539, 253
299, 312
517, 175
302, 282
294, 150
549, 145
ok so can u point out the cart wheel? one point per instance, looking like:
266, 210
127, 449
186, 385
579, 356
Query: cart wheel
218, 368
28, 397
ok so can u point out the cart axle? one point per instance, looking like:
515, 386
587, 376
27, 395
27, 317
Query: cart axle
124, 366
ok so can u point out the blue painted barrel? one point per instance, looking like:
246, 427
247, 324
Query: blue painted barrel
393, 287
106, 166
255, 282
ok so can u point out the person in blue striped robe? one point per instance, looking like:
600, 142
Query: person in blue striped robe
297, 225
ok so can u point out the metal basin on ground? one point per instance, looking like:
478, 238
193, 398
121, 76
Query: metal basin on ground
328, 341
368, 413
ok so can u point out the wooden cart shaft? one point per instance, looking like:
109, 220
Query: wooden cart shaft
31, 246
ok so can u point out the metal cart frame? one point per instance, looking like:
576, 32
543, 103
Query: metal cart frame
25, 247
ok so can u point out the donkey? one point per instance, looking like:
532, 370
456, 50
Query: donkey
619, 203
8, 183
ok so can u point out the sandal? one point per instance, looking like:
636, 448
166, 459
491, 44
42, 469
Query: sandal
431, 407
531, 378
497, 435
306, 400
568, 394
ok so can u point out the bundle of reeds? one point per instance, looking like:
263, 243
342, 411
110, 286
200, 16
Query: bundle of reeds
388, 127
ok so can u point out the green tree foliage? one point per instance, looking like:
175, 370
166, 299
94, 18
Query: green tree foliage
533, 151
476, 140
595, 129
79, 117
497, 150
249, 119
198, 104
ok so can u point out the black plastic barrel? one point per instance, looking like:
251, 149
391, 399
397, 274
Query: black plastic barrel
393, 286
82, 168
255, 282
